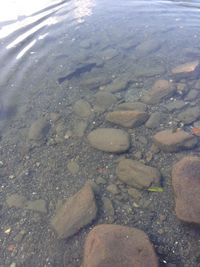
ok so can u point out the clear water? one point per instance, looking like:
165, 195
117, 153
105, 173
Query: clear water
54, 53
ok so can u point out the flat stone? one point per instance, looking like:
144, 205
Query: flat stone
92, 83
82, 109
147, 47
108, 207
176, 105
134, 193
80, 127
109, 140
39, 129
170, 141
154, 120
73, 167
118, 246
76, 212
16, 201
192, 95
186, 185
132, 106
116, 86
127, 118
38, 205
161, 89
104, 100
187, 70
189, 115
113, 189
137, 174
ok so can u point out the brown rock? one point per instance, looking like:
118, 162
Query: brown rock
132, 106
170, 141
118, 246
78, 211
82, 109
109, 140
127, 118
136, 174
186, 185
161, 89
116, 86
39, 129
104, 100
187, 70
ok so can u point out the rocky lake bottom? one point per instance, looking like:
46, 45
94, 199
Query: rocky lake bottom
99, 158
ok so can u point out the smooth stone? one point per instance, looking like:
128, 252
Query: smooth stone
113, 189
39, 129
76, 212
16, 201
73, 167
186, 185
186, 70
154, 120
170, 141
80, 127
104, 100
100, 180
147, 47
160, 90
137, 174
108, 207
116, 86
95, 82
38, 205
134, 193
127, 118
192, 95
176, 105
82, 109
109, 140
110, 245
149, 68
132, 106
189, 115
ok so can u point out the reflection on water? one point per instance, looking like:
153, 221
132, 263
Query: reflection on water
69, 68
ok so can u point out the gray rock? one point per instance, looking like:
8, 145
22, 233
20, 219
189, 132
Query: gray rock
16, 200
176, 105
38, 205
113, 189
104, 100
116, 86
132, 106
109, 140
193, 94
154, 120
78, 211
189, 115
80, 127
73, 167
136, 174
82, 109
39, 129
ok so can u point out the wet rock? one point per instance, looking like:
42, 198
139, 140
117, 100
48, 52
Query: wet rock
39, 130
127, 118
176, 105
38, 205
16, 201
113, 189
132, 106
154, 120
104, 100
82, 109
109, 140
136, 174
161, 89
95, 82
187, 70
115, 245
100, 180
78, 211
189, 115
170, 141
193, 94
116, 86
134, 193
73, 167
182, 88
186, 185
54, 117
147, 47
80, 127
149, 68
108, 207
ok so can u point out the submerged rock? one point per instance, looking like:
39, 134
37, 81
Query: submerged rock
154, 120
109, 140
127, 118
136, 174
39, 130
132, 106
186, 185
114, 245
170, 141
116, 86
104, 100
189, 115
161, 89
82, 109
77, 211
187, 70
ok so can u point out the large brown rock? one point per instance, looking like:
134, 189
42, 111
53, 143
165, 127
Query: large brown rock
186, 185
76, 212
186, 70
127, 118
118, 246
161, 89
170, 141
137, 174
109, 140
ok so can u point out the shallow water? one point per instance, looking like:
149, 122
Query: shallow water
54, 53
